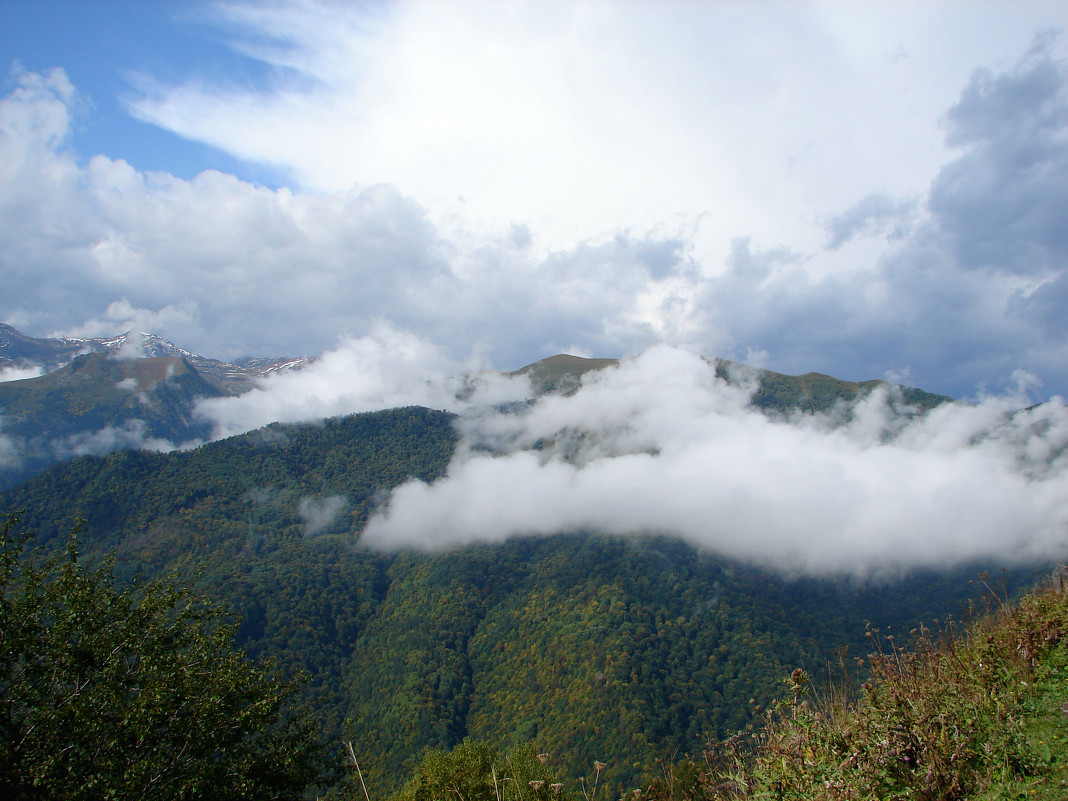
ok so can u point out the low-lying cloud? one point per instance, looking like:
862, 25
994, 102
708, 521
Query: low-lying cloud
10, 451
387, 368
131, 435
319, 513
15, 373
661, 445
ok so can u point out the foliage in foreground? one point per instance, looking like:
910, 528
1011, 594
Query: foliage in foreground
109, 694
973, 714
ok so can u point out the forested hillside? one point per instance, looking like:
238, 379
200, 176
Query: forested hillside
618, 650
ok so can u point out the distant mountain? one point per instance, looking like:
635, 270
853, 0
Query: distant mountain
776, 392
561, 373
105, 394
139, 390
97, 404
51, 353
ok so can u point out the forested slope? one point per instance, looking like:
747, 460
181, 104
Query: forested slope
595, 648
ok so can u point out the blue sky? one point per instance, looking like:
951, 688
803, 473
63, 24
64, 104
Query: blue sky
866, 190
105, 47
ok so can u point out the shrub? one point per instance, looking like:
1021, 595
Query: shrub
134, 694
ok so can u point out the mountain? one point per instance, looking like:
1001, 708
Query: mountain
17, 350
621, 650
140, 390
561, 373
99, 395
97, 404
774, 392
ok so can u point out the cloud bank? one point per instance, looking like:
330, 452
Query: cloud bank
387, 368
661, 445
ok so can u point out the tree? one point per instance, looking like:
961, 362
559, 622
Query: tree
134, 694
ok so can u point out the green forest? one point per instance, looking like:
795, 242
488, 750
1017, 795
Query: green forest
587, 648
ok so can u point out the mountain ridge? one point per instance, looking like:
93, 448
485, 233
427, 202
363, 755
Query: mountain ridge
19, 350
44, 421
39, 415
812, 391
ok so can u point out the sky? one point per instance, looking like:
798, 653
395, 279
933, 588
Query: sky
866, 190
415, 191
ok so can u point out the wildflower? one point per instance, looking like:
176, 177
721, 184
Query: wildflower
543, 758
599, 766
537, 784
556, 788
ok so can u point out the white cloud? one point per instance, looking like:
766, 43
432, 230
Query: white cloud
661, 445
10, 450
131, 435
957, 291
120, 316
583, 117
384, 369
15, 373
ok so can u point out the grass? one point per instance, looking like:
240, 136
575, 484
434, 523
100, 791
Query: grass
1045, 733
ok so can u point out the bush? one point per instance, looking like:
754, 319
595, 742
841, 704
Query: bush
134, 694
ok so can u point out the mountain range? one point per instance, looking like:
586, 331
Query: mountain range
140, 390
596, 648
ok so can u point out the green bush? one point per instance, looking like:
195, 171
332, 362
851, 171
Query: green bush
134, 695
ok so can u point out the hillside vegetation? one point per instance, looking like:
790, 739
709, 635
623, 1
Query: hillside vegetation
975, 713
129, 694
598, 649
968, 713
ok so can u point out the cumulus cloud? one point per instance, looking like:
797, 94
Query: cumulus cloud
967, 293
965, 286
226, 268
1003, 205
583, 117
661, 445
